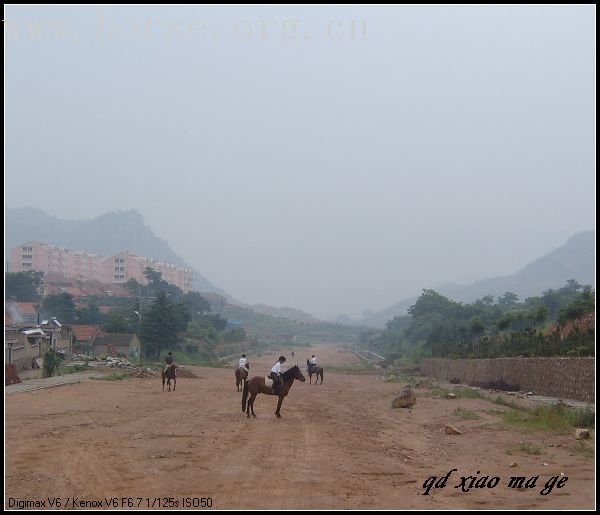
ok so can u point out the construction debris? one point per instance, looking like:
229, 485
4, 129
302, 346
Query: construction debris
406, 399
449, 430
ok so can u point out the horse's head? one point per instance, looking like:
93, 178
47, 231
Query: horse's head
298, 374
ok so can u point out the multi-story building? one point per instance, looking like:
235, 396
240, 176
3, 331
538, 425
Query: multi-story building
52, 259
120, 268
86, 266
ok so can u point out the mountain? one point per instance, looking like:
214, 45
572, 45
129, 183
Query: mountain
576, 259
284, 312
107, 234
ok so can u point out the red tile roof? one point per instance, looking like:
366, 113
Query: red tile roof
26, 308
84, 333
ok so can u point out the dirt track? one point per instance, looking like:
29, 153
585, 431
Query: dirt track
339, 445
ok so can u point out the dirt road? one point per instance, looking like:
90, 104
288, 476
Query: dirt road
339, 445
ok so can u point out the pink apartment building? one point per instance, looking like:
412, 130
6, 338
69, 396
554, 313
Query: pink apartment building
85, 266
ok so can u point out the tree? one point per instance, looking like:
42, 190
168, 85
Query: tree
508, 299
197, 304
22, 286
161, 325
156, 284
540, 315
90, 315
572, 285
237, 334
60, 306
51, 363
218, 322
115, 322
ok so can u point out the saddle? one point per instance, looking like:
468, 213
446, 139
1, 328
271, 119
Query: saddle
269, 383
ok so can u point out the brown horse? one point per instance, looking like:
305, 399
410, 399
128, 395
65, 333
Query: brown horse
257, 385
170, 374
314, 369
241, 374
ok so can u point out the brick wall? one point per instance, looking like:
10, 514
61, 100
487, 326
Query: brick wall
566, 378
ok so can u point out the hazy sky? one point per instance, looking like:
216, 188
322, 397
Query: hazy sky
326, 158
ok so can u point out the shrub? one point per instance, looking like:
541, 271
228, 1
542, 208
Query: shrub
51, 363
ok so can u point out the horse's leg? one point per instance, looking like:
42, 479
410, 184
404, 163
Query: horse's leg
174, 383
250, 405
279, 406
163, 380
309, 378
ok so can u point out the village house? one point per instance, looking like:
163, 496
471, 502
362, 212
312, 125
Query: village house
17, 312
60, 336
84, 336
23, 344
127, 344
26, 340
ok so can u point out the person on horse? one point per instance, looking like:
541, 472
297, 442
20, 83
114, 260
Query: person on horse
276, 375
313, 362
169, 360
244, 363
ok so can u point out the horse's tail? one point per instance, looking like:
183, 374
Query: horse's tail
245, 396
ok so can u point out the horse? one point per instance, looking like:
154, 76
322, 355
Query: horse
314, 369
241, 374
257, 385
170, 374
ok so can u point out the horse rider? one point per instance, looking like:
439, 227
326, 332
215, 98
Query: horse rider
292, 354
244, 363
169, 361
313, 362
276, 375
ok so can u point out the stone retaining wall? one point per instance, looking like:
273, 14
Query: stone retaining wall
567, 378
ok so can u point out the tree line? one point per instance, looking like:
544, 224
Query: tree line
491, 327
159, 312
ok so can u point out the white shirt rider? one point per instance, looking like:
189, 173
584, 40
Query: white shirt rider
243, 362
313, 361
276, 368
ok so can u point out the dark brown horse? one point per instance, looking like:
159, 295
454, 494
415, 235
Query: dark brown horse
314, 369
257, 385
170, 374
241, 374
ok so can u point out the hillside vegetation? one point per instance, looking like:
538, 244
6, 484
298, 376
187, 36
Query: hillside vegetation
492, 327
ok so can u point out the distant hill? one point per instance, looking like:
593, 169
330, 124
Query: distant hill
107, 234
284, 312
576, 259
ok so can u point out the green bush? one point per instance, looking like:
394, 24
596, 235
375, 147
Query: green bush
51, 364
